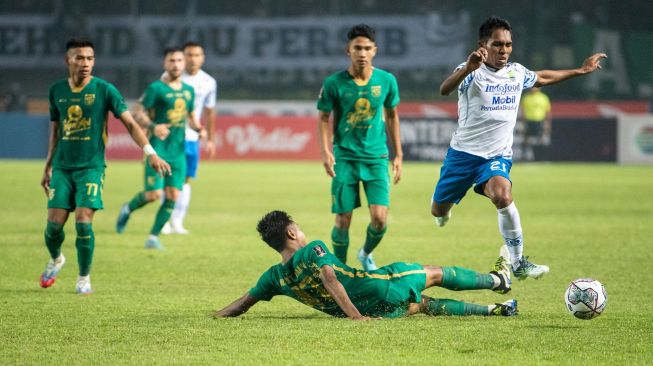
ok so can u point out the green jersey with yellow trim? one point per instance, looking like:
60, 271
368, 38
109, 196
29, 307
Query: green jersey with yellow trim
169, 106
359, 131
82, 122
376, 293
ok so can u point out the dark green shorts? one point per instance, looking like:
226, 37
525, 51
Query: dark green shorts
155, 182
345, 186
72, 188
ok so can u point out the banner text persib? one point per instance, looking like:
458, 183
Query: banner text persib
275, 43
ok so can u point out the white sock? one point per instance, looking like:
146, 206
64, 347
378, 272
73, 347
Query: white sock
510, 228
181, 206
153, 237
86, 278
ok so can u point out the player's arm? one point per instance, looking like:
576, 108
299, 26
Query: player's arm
338, 293
325, 145
474, 61
142, 117
209, 115
195, 125
237, 307
52, 144
158, 164
548, 77
392, 121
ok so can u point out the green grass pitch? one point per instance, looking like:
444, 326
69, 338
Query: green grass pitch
583, 220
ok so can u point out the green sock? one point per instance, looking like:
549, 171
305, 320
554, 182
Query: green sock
162, 216
437, 307
85, 244
54, 237
458, 279
137, 202
373, 238
340, 240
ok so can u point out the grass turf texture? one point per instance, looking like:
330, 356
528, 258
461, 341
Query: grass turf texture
151, 307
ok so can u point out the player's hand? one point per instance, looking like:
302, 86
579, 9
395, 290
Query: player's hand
593, 62
162, 130
396, 168
210, 148
159, 165
45, 180
328, 161
476, 59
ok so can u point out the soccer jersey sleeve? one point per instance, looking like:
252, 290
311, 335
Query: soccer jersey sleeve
392, 99
320, 255
117, 103
148, 98
530, 77
191, 101
264, 289
326, 98
467, 81
209, 101
54, 111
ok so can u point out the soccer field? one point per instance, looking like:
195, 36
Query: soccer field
150, 307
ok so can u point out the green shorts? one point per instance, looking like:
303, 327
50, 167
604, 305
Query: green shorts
345, 187
155, 182
388, 291
72, 188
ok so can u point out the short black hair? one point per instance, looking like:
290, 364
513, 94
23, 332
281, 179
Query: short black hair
272, 228
191, 44
362, 30
490, 24
79, 42
169, 50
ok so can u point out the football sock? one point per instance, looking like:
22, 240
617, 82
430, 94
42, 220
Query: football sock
437, 307
85, 244
137, 202
458, 279
373, 238
340, 240
162, 216
510, 228
54, 236
181, 206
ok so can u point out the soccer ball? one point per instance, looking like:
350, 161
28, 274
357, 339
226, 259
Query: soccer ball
586, 298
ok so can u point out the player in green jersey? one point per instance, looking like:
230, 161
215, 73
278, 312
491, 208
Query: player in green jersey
164, 109
310, 274
363, 100
74, 169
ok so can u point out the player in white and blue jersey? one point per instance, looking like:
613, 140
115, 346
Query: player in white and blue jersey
489, 90
206, 89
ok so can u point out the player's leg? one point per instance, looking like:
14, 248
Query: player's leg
340, 235
447, 307
153, 191
455, 179
85, 244
462, 279
373, 235
376, 183
60, 202
89, 184
498, 188
345, 198
192, 150
173, 184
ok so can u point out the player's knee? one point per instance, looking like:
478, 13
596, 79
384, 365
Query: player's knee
343, 221
503, 199
379, 222
152, 196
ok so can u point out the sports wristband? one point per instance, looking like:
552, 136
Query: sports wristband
149, 150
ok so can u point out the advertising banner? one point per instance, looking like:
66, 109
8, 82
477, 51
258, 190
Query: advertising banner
252, 138
635, 139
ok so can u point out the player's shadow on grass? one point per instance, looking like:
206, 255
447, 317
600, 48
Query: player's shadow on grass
290, 316
554, 326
